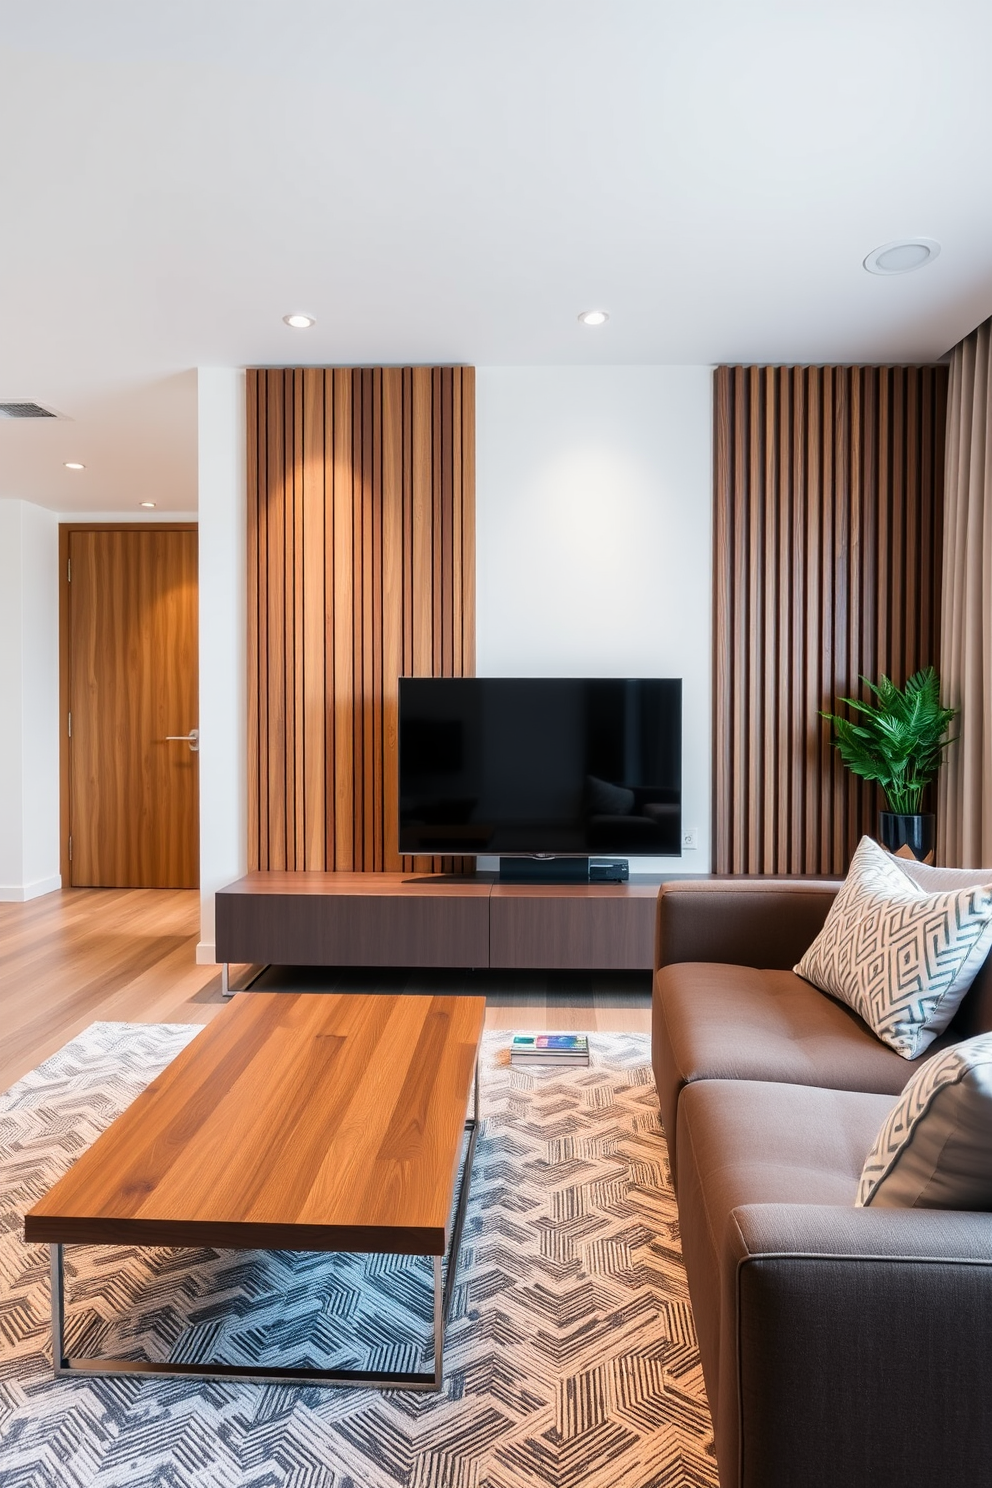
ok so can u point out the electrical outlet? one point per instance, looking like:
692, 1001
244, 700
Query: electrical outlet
690, 839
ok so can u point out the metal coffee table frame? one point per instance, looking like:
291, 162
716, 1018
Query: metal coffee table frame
381, 1379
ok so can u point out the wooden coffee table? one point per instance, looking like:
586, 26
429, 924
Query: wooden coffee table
311, 1122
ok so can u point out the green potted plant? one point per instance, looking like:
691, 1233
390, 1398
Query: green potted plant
898, 741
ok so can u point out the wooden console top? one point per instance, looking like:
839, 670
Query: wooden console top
415, 885
363, 884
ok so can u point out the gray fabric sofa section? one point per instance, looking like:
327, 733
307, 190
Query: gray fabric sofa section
791, 1033
839, 1346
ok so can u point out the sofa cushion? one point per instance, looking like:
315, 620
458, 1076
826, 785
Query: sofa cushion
901, 958
935, 1146
746, 1143
716, 1022
933, 879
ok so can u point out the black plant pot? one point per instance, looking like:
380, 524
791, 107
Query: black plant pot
908, 836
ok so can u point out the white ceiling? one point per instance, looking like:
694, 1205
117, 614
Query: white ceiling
450, 180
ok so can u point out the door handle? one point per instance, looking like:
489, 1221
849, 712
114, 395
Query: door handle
192, 739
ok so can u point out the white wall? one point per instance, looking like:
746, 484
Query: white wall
11, 684
594, 520
223, 621
29, 687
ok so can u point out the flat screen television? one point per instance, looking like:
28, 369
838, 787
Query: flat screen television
553, 765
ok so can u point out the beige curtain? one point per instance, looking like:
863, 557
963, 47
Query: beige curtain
964, 821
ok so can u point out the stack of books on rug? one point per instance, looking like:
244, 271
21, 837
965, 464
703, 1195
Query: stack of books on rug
530, 1050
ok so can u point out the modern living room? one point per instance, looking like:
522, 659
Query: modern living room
528, 472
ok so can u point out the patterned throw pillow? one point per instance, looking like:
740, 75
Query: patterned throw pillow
901, 958
935, 1148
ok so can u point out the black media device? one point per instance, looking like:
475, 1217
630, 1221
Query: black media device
542, 768
551, 869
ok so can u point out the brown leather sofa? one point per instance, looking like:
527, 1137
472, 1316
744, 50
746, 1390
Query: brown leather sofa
841, 1347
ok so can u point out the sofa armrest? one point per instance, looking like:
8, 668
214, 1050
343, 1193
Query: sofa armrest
858, 1342
763, 922
863, 1234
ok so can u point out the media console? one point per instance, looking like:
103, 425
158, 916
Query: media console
406, 919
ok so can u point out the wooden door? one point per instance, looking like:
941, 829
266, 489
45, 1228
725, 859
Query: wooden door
131, 657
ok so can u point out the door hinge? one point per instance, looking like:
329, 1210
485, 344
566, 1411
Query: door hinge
70, 849
68, 570
70, 723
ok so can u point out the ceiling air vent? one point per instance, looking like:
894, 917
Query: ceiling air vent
25, 410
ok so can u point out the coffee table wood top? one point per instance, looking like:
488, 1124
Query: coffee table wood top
294, 1121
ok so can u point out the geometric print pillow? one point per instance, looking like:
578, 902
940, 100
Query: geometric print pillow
901, 958
935, 1147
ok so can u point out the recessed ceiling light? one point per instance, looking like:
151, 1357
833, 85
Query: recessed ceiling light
594, 317
299, 322
902, 256
73, 465
146, 503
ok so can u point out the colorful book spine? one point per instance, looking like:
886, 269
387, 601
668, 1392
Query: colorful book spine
544, 1048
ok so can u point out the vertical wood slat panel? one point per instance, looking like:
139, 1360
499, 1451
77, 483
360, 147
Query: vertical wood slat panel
723, 673
252, 478
437, 578
465, 505
739, 558
275, 725
811, 393
755, 610
313, 608
375, 714
768, 558
342, 656
299, 634
288, 697
326, 455
827, 549
393, 597
370, 630
361, 553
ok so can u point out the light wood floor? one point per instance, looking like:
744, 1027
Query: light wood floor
129, 955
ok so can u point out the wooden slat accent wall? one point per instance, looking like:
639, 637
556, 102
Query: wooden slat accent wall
827, 547
361, 569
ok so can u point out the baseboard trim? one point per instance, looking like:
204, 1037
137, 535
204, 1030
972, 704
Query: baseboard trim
206, 953
20, 893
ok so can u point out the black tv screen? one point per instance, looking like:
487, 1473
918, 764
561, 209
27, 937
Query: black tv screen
540, 765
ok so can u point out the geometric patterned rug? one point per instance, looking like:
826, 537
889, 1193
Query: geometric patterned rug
570, 1357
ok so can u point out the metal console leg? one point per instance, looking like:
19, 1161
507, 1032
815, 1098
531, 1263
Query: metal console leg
226, 990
